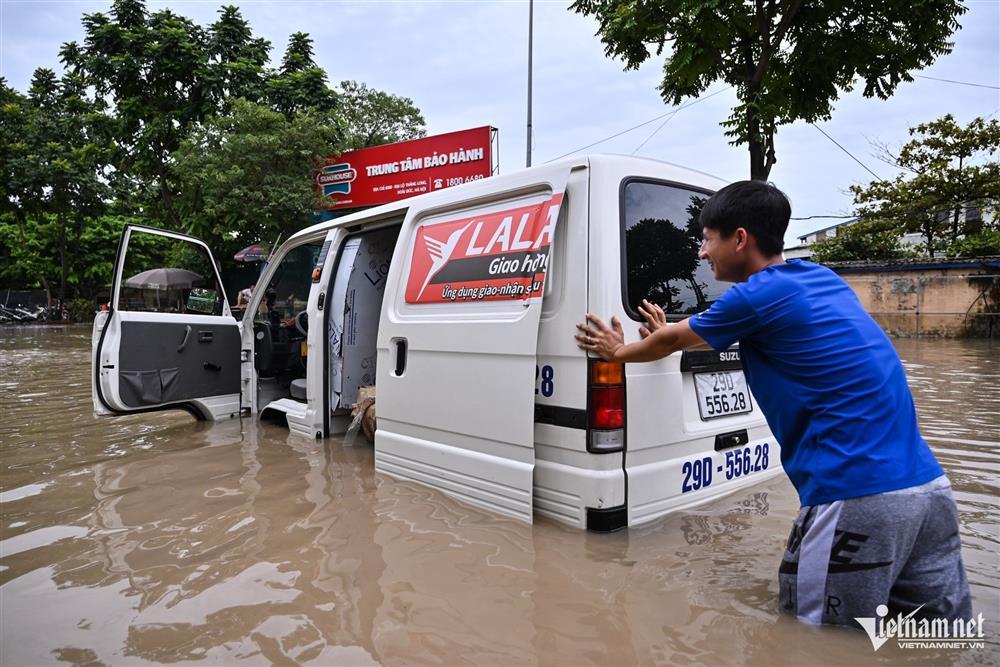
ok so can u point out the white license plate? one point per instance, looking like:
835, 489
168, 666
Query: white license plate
722, 393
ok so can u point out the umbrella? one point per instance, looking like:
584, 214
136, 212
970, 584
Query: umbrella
252, 253
164, 279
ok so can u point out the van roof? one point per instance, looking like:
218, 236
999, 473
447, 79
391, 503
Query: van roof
393, 209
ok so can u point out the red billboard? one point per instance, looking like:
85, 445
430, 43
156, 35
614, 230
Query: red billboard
391, 172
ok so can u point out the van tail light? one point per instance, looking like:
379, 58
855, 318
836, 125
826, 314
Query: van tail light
606, 407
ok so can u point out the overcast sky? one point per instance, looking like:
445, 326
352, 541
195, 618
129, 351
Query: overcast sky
464, 64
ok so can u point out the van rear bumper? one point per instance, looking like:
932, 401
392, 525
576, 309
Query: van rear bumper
658, 488
566, 493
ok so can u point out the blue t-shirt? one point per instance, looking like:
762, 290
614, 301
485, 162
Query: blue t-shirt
828, 380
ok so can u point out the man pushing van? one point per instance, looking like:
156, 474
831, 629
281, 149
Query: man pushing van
878, 524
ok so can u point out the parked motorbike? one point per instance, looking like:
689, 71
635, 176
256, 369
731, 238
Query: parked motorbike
13, 315
21, 314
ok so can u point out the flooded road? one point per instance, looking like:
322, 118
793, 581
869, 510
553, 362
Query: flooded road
161, 539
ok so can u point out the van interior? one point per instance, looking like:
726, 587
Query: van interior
352, 317
353, 306
280, 325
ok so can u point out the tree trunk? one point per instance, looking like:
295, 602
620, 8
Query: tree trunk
62, 258
929, 234
761, 144
759, 167
958, 209
48, 294
167, 201
699, 294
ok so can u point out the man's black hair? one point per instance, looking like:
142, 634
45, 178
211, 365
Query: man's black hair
760, 208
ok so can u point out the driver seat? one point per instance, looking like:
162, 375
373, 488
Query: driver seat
298, 389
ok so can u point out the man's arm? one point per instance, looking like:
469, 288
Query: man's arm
609, 342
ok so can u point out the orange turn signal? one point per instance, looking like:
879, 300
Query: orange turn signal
316, 273
607, 373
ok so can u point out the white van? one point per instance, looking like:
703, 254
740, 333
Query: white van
460, 306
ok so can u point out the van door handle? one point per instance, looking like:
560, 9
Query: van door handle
400, 356
205, 336
184, 341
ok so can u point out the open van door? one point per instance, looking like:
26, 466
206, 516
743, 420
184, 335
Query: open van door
457, 342
169, 339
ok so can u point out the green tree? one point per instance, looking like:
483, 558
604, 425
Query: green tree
21, 193
237, 59
73, 155
950, 178
247, 176
373, 117
56, 166
862, 240
300, 85
164, 74
114, 138
27, 254
153, 70
787, 60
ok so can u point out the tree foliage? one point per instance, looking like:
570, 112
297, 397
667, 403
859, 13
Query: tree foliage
34, 258
862, 240
300, 85
55, 164
373, 117
159, 120
237, 60
162, 74
152, 69
244, 176
787, 60
949, 187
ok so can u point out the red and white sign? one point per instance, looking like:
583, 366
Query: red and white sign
499, 255
391, 172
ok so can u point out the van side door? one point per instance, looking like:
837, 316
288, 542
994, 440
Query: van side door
457, 342
169, 339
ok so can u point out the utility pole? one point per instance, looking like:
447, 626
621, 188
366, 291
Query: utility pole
531, 15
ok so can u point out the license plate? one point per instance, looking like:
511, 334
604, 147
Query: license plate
722, 393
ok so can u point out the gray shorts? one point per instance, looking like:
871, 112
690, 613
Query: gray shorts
900, 548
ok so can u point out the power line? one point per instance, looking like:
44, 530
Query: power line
660, 127
961, 83
848, 152
636, 127
930, 207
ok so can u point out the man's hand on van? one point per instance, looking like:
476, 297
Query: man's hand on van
609, 343
596, 337
654, 316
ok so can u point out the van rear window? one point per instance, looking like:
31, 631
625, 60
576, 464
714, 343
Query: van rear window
662, 237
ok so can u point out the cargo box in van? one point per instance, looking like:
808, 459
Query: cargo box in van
460, 307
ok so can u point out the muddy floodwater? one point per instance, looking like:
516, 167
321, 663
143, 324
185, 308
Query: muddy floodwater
159, 539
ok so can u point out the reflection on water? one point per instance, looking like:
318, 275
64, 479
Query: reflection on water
161, 539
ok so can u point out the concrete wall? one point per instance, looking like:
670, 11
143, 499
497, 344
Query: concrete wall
950, 300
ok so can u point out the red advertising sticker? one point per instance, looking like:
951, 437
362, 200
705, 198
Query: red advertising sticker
499, 255
383, 174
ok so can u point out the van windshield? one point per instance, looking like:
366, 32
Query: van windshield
662, 237
288, 291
